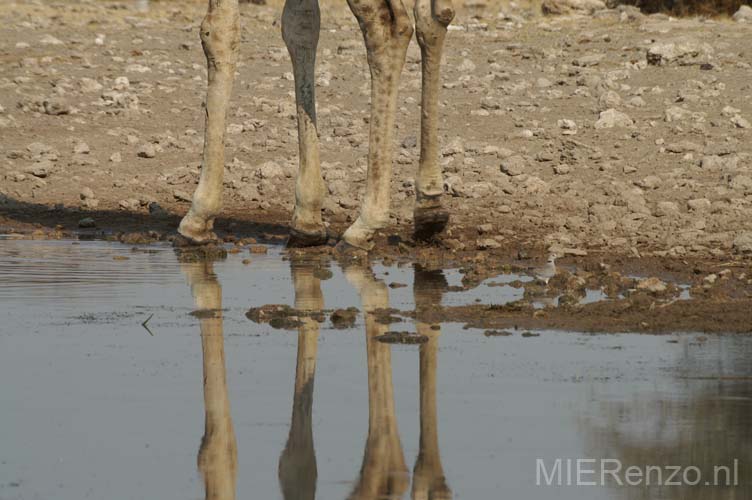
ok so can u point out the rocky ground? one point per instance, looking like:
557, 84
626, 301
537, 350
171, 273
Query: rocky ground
605, 132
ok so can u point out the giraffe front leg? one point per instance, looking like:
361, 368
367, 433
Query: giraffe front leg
431, 20
386, 30
300, 31
220, 36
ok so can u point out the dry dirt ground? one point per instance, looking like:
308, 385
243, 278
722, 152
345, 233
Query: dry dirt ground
612, 138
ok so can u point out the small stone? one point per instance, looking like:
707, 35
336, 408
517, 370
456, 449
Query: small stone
740, 122
258, 249
181, 195
652, 285
562, 169
561, 7
116, 157
743, 15
81, 148
488, 244
513, 166
86, 193
86, 222
146, 150
743, 242
90, 85
613, 118
131, 204
666, 208
121, 83
699, 204
56, 107
569, 127
485, 228
650, 182
50, 40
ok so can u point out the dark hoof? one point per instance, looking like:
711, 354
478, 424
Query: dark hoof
302, 239
429, 223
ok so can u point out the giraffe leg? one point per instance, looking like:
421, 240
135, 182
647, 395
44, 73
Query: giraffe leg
431, 20
220, 35
386, 30
300, 31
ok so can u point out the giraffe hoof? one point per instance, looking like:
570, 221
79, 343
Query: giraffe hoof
182, 241
429, 222
300, 239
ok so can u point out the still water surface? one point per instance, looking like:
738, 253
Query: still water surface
92, 405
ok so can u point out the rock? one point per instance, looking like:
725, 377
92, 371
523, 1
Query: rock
131, 204
181, 195
560, 7
609, 99
569, 127
488, 244
650, 182
121, 83
588, 60
743, 242
741, 182
56, 106
740, 122
81, 148
87, 222
146, 150
86, 193
699, 204
683, 147
715, 162
666, 208
652, 285
50, 40
562, 169
156, 210
116, 157
90, 85
743, 15
612, 118
513, 166
682, 52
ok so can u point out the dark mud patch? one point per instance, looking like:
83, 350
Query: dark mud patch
401, 338
342, 319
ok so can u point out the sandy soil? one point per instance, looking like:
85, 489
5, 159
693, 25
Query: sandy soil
556, 131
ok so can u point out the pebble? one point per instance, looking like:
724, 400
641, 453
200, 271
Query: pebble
513, 166
743, 15
613, 118
86, 222
146, 150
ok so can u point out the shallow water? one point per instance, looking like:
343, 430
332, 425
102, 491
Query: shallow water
93, 405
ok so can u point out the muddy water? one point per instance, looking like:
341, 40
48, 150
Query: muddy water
211, 404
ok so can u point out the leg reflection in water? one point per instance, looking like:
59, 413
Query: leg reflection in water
428, 474
217, 457
297, 464
383, 474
